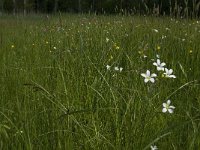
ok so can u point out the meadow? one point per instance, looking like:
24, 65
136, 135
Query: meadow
80, 82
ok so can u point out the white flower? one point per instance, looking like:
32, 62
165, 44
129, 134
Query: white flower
167, 107
108, 67
107, 40
168, 73
159, 65
155, 30
149, 77
164, 36
118, 69
167, 29
158, 56
145, 56
154, 147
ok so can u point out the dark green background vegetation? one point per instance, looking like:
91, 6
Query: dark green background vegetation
183, 8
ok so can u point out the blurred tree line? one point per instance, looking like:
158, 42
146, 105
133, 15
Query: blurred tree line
184, 8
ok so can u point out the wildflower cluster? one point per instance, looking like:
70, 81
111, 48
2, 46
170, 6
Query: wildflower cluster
151, 77
160, 67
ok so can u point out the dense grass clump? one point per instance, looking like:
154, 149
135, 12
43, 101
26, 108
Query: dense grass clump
60, 88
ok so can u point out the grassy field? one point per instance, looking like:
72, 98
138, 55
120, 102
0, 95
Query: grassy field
74, 82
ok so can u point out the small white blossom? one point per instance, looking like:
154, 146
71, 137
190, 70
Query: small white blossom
167, 107
149, 77
154, 147
108, 67
145, 56
107, 40
155, 30
159, 65
118, 69
164, 36
167, 29
168, 73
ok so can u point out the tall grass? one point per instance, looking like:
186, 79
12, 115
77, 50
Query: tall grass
56, 92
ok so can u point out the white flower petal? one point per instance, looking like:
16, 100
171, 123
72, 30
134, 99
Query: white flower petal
155, 30
160, 68
172, 76
155, 64
148, 73
171, 107
144, 75
152, 80
164, 105
170, 111
169, 102
154, 75
146, 80
163, 64
164, 110
170, 71
158, 61
120, 69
